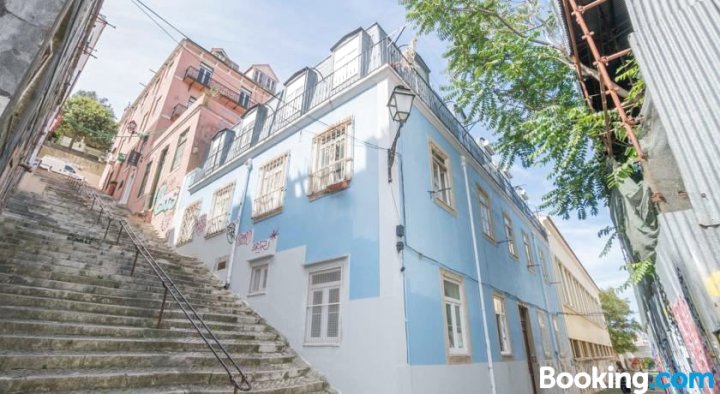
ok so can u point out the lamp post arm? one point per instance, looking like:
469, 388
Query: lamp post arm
391, 152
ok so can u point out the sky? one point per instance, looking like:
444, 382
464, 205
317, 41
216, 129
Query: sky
289, 37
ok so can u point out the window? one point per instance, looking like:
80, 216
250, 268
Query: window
323, 307
242, 140
204, 74
187, 228
272, 187
561, 343
485, 214
179, 150
220, 210
215, 154
509, 234
244, 99
545, 268
441, 182
156, 105
502, 327
258, 279
346, 62
332, 159
545, 333
454, 315
528, 252
191, 100
145, 177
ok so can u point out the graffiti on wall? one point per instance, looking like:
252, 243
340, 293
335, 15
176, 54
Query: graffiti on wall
245, 238
263, 245
691, 337
165, 200
200, 224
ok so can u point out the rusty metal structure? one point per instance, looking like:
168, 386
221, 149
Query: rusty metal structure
584, 21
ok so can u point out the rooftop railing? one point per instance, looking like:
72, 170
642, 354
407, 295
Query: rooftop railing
382, 53
221, 89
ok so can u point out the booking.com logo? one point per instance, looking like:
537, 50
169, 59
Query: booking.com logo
639, 382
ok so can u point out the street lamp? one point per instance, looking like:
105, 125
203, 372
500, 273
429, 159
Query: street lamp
400, 105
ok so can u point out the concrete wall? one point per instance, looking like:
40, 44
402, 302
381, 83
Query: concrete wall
41, 42
88, 167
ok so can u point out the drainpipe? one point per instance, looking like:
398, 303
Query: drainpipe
248, 164
491, 371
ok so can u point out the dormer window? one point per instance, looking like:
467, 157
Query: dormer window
346, 61
218, 150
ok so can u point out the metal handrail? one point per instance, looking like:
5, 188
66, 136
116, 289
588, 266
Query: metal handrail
188, 310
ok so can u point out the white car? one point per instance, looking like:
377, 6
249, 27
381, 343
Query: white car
54, 164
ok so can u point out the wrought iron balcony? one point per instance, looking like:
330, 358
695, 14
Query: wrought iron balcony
217, 89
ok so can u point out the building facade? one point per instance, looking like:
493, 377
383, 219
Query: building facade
44, 45
589, 341
425, 276
166, 130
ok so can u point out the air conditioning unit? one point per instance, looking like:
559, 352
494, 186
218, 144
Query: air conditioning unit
522, 193
487, 145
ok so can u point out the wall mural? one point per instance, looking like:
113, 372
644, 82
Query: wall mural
691, 337
165, 200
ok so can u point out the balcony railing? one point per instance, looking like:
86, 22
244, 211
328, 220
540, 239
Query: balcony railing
333, 177
268, 203
205, 79
380, 54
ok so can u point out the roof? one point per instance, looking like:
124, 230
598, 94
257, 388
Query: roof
345, 37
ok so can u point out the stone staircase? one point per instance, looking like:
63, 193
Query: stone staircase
72, 319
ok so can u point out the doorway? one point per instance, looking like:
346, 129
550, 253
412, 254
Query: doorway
158, 171
529, 344
128, 187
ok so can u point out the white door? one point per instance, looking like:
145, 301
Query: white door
128, 187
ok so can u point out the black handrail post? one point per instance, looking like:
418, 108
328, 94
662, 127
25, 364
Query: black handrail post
99, 215
137, 252
107, 228
117, 241
162, 307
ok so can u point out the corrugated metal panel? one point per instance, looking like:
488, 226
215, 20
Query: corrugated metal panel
688, 264
677, 44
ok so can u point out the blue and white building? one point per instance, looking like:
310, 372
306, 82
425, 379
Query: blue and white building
376, 282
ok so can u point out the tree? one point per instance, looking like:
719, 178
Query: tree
89, 117
621, 326
511, 73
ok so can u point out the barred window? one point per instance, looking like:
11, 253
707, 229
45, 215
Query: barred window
258, 279
271, 188
332, 159
220, 210
323, 307
189, 220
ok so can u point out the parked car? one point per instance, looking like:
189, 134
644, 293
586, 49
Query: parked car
59, 166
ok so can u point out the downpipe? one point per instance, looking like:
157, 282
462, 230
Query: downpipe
231, 262
488, 350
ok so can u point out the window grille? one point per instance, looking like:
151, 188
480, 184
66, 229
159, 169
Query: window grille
271, 189
220, 210
332, 162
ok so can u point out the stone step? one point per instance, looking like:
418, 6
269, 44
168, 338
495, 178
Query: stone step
172, 311
40, 313
28, 342
11, 326
44, 360
57, 380
58, 284
156, 302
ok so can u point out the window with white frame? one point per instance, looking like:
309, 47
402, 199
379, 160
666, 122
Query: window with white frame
242, 139
187, 228
528, 252
215, 154
454, 315
332, 159
441, 178
323, 307
561, 343
346, 62
485, 213
271, 188
502, 325
258, 278
545, 333
220, 210
510, 235
244, 98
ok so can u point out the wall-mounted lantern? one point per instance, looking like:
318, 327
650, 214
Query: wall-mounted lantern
399, 105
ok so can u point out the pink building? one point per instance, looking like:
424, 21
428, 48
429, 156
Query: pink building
165, 132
